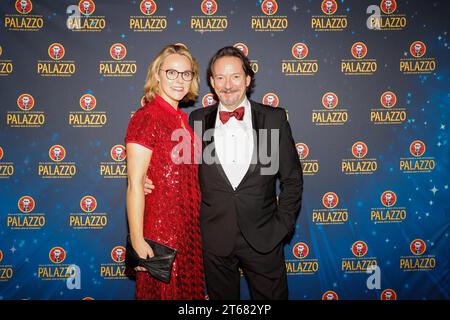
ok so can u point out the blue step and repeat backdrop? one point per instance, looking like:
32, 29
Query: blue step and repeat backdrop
366, 87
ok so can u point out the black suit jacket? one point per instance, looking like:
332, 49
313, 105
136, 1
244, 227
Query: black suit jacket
253, 206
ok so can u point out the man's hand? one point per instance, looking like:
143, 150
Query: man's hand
148, 186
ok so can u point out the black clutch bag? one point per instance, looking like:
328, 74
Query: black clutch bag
159, 266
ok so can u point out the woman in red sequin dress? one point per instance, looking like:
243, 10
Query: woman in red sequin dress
170, 214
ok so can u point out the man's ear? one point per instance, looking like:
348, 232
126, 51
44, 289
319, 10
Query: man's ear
248, 80
211, 80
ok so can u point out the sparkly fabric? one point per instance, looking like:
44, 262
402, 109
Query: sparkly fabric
172, 209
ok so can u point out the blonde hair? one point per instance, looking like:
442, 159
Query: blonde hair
151, 84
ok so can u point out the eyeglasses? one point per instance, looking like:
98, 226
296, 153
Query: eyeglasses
172, 74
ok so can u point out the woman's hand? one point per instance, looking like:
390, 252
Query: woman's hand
143, 250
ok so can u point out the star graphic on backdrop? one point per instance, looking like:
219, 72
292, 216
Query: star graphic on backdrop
434, 190
442, 126
13, 250
295, 8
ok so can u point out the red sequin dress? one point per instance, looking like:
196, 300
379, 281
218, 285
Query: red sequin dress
172, 209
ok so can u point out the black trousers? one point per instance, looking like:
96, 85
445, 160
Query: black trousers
266, 273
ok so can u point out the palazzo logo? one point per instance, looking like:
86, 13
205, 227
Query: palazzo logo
329, 115
419, 63
115, 270
27, 116
209, 22
118, 67
359, 65
26, 219
23, 20
6, 65
56, 67
300, 66
6, 168
87, 117
329, 21
417, 163
331, 214
57, 168
302, 264
269, 21
359, 263
148, 21
117, 168
360, 164
388, 114
84, 20
389, 213
310, 167
88, 219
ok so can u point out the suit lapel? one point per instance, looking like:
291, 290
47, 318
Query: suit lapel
258, 119
210, 124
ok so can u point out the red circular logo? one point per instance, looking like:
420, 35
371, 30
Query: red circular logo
329, 6
241, 46
269, 7
388, 294
359, 248
88, 204
418, 247
300, 50
330, 200
1, 255
359, 149
148, 7
26, 204
330, 295
118, 152
418, 49
56, 51
57, 255
25, 102
388, 198
57, 153
359, 50
118, 51
209, 100
271, 99
209, 7
118, 254
388, 99
87, 7
388, 6
88, 102
417, 148
1, 153
302, 150
23, 6
330, 100
300, 250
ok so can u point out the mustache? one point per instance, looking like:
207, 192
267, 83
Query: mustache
228, 91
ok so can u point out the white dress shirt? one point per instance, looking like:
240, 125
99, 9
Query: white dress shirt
234, 143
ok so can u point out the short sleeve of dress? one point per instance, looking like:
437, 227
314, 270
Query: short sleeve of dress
142, 128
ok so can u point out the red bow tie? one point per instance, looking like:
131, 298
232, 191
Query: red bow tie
237, 113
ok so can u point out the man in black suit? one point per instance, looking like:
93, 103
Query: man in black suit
241, 222
246, 147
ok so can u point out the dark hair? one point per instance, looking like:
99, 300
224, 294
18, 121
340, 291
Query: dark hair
232, 52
